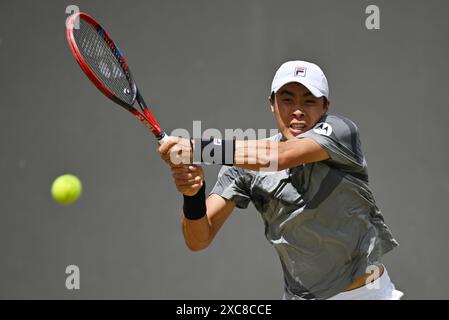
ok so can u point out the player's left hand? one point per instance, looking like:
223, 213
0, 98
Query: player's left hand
176, 151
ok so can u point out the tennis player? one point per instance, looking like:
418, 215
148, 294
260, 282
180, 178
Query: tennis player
319, 212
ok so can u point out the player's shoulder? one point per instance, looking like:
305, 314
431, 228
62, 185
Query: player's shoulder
337, 124
337, 119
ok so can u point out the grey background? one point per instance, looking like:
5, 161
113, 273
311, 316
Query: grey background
211, 61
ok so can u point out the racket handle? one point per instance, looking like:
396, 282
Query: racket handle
162, 137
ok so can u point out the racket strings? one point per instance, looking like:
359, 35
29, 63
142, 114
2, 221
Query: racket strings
102, 61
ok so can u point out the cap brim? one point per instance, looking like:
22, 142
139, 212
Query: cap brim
317, 93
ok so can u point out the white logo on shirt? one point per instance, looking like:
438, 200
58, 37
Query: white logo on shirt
323, 128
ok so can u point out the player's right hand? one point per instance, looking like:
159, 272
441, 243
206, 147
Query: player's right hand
188, 178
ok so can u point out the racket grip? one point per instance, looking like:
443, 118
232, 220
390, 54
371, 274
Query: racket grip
162, 137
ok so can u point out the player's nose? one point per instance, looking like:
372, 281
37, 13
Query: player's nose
297, 112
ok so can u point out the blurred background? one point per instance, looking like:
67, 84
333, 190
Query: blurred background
211, 61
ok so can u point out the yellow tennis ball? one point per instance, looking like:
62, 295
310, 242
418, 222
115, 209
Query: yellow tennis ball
66, 189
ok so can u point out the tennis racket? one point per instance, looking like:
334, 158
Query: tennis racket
104, 64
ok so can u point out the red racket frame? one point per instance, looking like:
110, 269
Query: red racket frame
146, 117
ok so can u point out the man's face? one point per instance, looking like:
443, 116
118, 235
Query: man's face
296, 109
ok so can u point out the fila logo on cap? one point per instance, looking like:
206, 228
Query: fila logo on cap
323, 128
300, 72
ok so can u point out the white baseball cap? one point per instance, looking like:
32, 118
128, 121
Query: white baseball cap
306, 73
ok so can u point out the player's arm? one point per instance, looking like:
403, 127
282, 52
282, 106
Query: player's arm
201, 219
253, 154
273, 155
198, 234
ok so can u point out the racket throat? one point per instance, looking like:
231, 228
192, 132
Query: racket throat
149, 121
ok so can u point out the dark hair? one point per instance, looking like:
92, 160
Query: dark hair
273, 96
324, 102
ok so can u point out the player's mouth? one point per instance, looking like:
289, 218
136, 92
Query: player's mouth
296, 128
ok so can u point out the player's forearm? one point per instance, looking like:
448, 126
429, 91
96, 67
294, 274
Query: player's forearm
275, 156
257, 155
197, 233
248, 154
195, 223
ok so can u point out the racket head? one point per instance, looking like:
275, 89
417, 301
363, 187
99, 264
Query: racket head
101, 60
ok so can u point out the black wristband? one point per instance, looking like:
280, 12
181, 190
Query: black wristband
214, 151
194, 207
